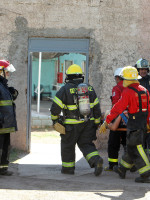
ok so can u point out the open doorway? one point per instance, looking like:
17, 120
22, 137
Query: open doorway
49, 60
48, 75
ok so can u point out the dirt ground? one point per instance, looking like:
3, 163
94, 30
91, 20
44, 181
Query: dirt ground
37, 176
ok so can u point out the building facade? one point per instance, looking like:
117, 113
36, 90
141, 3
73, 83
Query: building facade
118, 34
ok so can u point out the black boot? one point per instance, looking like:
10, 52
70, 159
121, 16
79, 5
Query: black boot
142, 179
133, 169
5, 172
67, 171
98, 167
120, 170
109, 168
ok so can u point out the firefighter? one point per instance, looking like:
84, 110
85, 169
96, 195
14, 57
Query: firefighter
142, 66
76, 129
8, 122
119, 137
136, 98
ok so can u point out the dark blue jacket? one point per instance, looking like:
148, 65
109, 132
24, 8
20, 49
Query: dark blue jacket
145, 82
7, 109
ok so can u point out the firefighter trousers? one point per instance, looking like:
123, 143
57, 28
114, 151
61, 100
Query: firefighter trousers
81, 134
135, 154
147, 145
4, 150
116, 138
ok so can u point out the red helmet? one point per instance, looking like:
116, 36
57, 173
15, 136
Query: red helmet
4, 64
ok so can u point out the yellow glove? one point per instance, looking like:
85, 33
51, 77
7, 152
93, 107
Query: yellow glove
59, 128
148, 128
103, 127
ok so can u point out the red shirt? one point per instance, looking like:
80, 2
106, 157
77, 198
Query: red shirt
129, 100
116, 92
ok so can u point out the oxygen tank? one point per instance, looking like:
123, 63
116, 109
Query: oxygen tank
83, 100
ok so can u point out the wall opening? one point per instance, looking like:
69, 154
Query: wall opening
47, 64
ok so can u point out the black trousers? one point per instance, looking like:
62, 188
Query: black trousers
81, 134
4, 150
135, 153
147, 145
116, 138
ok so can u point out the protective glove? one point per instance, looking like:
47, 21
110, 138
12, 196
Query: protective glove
13, 92
59, 126
148, 128
103, 127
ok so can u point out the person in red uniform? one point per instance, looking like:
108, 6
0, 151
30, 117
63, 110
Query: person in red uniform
136, 98
115, 139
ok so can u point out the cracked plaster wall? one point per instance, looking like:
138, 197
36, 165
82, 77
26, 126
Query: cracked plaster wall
119, 34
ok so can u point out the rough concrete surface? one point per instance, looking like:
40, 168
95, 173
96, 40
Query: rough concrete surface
37, 177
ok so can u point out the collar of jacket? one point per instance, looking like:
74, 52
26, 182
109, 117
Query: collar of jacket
145, 77
75, 81
3, 80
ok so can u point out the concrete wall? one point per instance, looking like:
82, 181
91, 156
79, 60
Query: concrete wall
119, 34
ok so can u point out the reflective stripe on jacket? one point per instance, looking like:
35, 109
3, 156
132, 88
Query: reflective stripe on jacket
66, 100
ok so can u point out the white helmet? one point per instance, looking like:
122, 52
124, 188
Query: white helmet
4, 64
118, 71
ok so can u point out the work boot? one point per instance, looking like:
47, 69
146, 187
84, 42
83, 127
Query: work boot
6, 173
133, 169
108, 169
67, 171
98, 167
120, 170
142, 179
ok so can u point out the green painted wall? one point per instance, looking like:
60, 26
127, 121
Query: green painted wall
48, 75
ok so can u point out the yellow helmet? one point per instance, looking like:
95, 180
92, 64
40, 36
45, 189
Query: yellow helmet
129, 73
74, 69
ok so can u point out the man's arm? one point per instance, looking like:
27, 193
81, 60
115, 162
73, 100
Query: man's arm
113, 126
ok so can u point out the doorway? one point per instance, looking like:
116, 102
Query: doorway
48, 60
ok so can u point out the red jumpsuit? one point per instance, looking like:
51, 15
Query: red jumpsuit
116, 92
135, 98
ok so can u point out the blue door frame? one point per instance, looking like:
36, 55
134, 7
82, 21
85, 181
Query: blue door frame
61, 45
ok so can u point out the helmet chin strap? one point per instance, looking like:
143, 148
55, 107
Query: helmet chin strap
4, 73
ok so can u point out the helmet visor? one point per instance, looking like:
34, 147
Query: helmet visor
144, 63
10, 68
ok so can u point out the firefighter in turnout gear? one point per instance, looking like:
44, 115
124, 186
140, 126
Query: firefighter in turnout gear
136, 98
116, 137
79, 126
8, 122
142, 66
